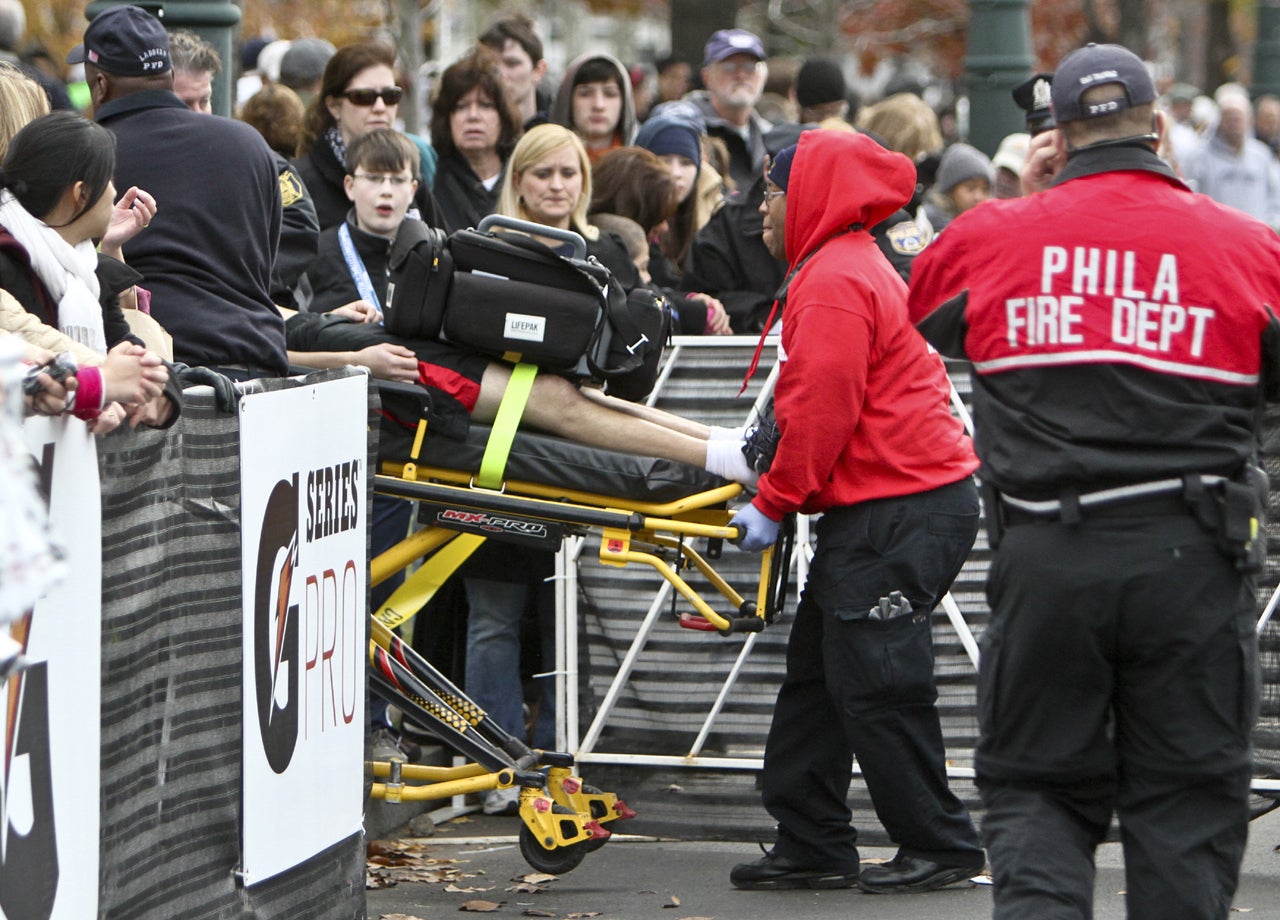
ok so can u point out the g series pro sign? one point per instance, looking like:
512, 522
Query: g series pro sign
304, 476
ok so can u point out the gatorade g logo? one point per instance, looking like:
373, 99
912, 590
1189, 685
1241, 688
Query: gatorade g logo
28, 843
275, 626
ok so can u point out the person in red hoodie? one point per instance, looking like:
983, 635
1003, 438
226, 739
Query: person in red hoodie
866, 439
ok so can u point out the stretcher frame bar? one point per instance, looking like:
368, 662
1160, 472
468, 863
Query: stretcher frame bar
566, 727
568, 730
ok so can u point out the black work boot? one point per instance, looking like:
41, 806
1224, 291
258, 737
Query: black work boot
907, 874
772, 872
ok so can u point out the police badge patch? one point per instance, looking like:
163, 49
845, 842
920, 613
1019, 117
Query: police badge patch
290, 188
906, 238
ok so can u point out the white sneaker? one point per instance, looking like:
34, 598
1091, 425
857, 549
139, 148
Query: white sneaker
380, 745
502, 801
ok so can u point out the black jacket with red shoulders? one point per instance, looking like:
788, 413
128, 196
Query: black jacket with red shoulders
1122, 328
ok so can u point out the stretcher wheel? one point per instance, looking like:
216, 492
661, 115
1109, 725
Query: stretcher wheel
555, 861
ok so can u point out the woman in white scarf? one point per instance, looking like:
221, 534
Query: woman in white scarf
56, 198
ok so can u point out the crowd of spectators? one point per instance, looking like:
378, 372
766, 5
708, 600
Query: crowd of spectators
228, 226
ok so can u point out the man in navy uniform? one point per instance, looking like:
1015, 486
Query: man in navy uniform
1123, 338
207, 255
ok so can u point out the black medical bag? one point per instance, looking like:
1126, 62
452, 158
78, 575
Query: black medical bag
514, 297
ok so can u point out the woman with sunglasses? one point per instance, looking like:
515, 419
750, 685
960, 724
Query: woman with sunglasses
357, 94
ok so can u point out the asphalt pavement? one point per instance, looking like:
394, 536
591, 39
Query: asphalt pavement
473, 864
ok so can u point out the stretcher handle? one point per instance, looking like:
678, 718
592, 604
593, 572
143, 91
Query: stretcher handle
527, 226
401, 387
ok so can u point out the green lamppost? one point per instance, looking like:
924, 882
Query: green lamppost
998, 59
213, 20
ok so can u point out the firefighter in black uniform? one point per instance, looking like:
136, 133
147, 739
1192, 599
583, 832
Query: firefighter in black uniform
1122, 334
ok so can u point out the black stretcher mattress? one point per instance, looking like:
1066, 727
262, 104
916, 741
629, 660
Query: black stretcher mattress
555, 462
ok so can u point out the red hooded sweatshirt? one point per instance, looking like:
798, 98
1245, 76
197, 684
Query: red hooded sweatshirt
862, 401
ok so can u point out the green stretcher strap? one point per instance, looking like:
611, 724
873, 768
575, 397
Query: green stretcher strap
510, 410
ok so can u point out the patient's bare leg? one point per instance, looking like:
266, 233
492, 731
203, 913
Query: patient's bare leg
557, 407
648, 413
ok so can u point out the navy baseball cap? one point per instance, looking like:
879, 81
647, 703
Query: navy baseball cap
780, 170
126, 41
728, 42
1097, 65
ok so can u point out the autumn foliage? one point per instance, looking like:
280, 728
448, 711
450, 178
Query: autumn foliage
890, 28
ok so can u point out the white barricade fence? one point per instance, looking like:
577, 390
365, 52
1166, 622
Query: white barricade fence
125, 788
49, 712
683, 715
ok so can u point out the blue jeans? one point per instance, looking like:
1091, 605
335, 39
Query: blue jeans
494, 612
390, 517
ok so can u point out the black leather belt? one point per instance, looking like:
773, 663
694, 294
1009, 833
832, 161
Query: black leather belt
1147, 506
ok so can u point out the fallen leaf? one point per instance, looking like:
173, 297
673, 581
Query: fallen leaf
526, 888
673, 902
399, 917
1242, 910
536, 878
582, 915
481, 907
374, 882
535, 912
458, 889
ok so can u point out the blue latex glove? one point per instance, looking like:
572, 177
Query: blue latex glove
756, 530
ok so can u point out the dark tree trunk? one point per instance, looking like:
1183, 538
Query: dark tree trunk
1133, 26
1219, 48
692, 22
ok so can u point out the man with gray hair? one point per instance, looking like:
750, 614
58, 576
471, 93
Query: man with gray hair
733, 72
1234, 167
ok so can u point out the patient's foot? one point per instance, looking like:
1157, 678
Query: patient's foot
725, 458
721, 433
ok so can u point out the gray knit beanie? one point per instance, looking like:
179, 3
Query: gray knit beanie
961, 162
